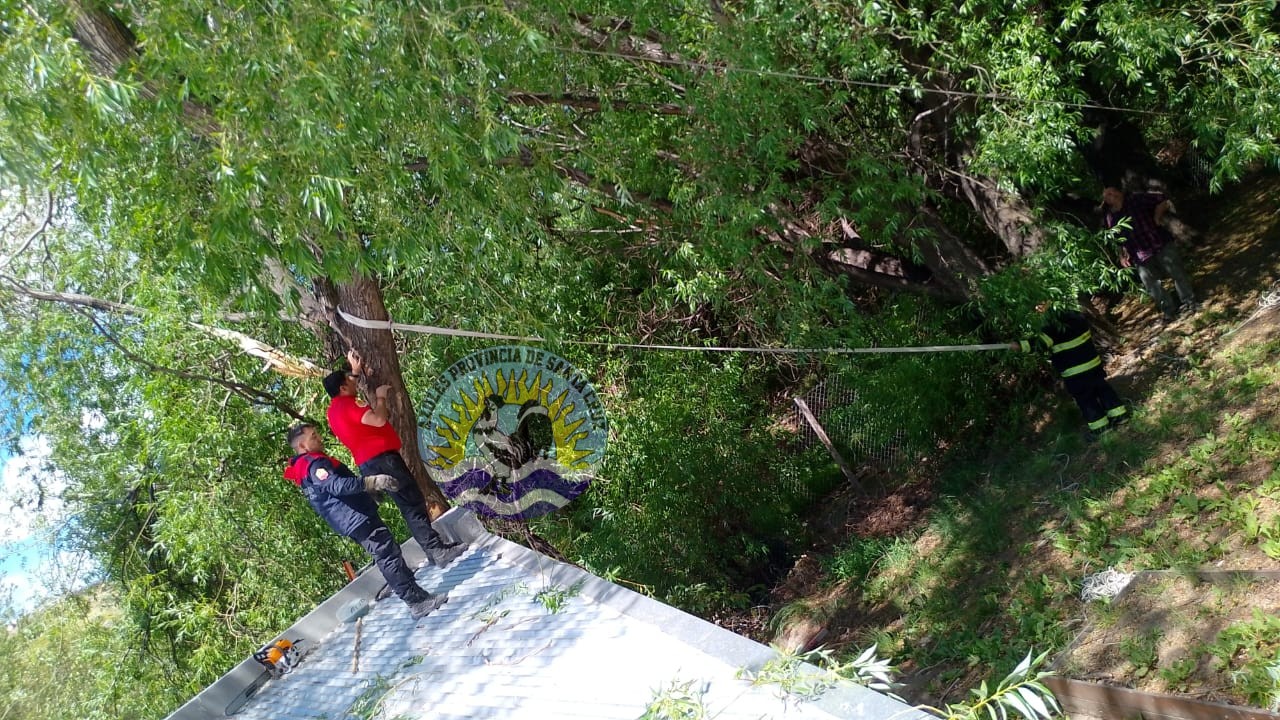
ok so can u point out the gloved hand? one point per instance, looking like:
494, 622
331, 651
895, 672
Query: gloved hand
375, 483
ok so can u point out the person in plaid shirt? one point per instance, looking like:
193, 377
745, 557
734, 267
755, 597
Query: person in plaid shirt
1148, 246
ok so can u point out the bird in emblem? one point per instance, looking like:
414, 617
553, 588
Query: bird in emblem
505, 452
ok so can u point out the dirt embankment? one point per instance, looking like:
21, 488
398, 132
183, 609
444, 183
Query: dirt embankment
1235, 265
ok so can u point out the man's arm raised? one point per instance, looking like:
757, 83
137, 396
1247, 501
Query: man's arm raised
377, 415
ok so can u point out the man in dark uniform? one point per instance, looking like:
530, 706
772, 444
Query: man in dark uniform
343, 500
375, 447
1069, 340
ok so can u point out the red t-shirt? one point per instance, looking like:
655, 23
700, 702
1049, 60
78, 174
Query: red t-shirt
364, 441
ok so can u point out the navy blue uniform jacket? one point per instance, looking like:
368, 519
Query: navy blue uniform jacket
335, 493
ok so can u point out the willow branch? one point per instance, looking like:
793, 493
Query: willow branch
252, 394
44, 225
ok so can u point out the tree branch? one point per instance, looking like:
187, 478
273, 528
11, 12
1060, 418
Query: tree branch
252, 394
593, 102
279, 361
44, 225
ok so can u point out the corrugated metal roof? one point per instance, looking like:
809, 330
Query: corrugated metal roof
521, 636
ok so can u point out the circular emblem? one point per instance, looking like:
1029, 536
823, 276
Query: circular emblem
513, 432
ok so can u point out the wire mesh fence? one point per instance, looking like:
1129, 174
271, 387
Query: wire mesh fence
857, 435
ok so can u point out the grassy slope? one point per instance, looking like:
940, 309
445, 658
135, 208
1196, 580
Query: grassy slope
994, 568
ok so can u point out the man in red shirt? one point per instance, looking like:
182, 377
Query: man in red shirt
375, 447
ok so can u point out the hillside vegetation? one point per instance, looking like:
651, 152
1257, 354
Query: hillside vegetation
197, 197
990, 559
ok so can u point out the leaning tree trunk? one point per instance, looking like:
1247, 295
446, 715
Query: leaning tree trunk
361, 296
953, 263
1005, 214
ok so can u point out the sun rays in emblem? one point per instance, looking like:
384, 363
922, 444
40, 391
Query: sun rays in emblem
514, 387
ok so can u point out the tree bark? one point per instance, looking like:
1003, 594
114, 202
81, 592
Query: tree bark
953, 263
111, 46
108, 41
853, 259
362, 297
1005, 214
615, 38
858, 266
941, 160
316, 305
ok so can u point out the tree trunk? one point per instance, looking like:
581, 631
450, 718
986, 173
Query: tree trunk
361, 296
614, 37
108, 41
941, 160
953, 263
875, 270
1005, 214
855, 260
111, 46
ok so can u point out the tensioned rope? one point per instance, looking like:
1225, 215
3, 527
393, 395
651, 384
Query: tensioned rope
453, 332
827, 80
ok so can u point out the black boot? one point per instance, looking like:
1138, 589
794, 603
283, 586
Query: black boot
445, 554
422, 608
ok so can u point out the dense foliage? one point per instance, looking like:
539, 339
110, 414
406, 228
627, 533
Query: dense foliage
183, 180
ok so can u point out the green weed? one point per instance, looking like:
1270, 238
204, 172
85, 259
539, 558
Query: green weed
1178, 672
1140, 651
677, 701
369, 702
1021, 693
856, 559
554, 597
809, 675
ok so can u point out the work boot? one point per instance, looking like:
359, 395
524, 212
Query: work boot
422, 608
445, 554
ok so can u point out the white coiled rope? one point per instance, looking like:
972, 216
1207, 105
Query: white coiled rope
1104, 585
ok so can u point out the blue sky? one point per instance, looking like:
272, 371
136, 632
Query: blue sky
31, 567
20, 587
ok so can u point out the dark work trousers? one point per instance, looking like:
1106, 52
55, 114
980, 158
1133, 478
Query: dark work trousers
408, 498
1166, 262
1098, 402
381, 544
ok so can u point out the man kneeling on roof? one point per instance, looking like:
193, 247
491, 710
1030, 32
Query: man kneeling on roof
345, 502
